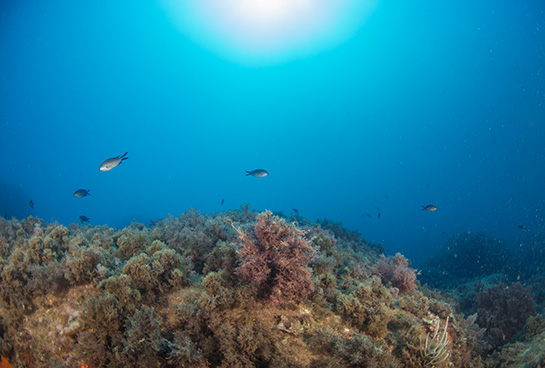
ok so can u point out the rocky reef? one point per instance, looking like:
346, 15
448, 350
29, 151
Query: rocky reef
231, 289
503, 288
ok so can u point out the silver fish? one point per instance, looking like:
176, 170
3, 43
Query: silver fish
258, 173
80, 193
112, 162
429, 207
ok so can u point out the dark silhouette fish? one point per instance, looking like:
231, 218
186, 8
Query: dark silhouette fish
258, 173
222, 201
112, 162
31, 204
378, 215
295, 210
83, 219
429, 207
522, 228
80, 193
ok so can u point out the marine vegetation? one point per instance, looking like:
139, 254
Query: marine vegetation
275, 259
503, 310
231, 289
500, 289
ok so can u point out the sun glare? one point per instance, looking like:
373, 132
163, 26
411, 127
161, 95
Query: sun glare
266, 13
268, 31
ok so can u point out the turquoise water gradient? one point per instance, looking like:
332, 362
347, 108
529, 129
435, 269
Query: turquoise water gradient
424, 102
265, 32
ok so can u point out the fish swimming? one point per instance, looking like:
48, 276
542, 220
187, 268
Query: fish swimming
31, 204
83, 219
295, 210
522, 228
222, 201
112, 162
258, 173
80, 193
429, 207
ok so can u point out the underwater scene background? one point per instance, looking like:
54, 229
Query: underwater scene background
397, 220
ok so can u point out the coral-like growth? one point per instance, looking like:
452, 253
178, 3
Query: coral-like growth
171, 296
160, 271
131, 242
503, 311
143, 342
192, 234
366, 307
396, 272
276, 259
434, 348
355, 350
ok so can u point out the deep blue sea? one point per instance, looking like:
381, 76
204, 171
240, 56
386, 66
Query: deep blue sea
355, 108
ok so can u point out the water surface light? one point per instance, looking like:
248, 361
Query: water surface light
265, 32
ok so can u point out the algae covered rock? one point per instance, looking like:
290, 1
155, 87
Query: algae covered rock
234, 289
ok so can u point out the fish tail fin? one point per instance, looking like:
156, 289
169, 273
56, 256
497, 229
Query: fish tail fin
423, 208
123, 155
88, 192
248, 173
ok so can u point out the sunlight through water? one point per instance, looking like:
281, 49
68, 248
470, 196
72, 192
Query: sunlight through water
268, 31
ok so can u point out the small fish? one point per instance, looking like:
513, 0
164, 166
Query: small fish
258, 173
80, 193
112, 162
522, 228
222, 201
295, 210
83, 219
378, 215
429, 207
31, 204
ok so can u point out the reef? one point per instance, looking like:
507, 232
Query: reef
233, 289
501, 289
468, 256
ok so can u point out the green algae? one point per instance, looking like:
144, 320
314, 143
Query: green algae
174, 295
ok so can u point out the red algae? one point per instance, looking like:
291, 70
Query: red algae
4, 363
232, 289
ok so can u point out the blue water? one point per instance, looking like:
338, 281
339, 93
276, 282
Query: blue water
425, 102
